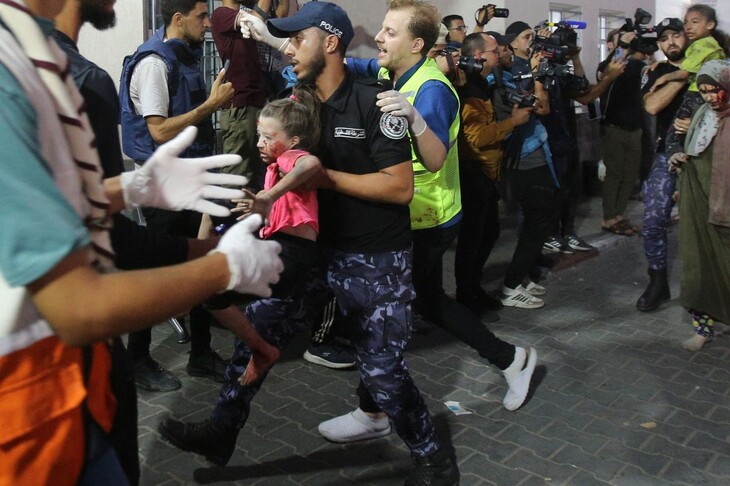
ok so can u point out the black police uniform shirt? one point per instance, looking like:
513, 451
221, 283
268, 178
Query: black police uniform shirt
359, 139
621, 102
665, 117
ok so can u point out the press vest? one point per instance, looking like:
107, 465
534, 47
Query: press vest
437, 195
187, 90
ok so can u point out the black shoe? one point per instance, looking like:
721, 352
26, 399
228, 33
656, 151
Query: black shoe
656, 292
150, 376
213, 442
329, 355
438, 469
489, 302
207, 365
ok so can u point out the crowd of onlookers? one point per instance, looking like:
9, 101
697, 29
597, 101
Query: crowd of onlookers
359, 175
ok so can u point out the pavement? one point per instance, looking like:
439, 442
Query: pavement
614, 399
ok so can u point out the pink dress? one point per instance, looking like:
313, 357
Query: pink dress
295, 208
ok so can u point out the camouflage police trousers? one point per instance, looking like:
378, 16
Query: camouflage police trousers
657, 193
374, 293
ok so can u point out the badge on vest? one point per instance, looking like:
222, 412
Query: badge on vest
345, 132
393, 126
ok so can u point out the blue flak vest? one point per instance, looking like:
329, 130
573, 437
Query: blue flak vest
187, 89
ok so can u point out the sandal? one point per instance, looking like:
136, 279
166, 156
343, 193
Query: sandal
622, 228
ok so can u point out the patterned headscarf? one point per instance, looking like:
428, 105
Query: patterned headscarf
713, 126
74, 143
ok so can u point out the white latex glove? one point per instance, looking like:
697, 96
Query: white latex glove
166, 181
397, 103
601, 170
254, 264
253, 27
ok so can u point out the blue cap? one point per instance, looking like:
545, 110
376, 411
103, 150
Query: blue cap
327, 16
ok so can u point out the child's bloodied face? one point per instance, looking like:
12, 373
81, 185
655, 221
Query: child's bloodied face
273, 140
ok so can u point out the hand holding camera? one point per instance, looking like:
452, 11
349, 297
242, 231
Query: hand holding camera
488, 12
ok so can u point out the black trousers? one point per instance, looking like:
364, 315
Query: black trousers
568, 196
479, 229
186, 224
534, 191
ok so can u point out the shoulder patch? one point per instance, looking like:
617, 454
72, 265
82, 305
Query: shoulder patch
392, 126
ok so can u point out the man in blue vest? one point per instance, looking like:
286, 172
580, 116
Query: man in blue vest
162, 91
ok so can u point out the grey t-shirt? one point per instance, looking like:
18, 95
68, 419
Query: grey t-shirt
533, 160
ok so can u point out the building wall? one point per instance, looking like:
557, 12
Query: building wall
109, 48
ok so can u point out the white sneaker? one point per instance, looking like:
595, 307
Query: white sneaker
521, 298
518, 377
354, 426
535, 288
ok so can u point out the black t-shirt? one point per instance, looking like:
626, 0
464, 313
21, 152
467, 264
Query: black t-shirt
665, 117
622, 102
134, 245
359, 139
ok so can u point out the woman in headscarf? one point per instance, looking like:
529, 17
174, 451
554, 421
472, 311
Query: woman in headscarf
704, 188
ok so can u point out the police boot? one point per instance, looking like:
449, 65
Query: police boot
206, 438
437, 469
657, 291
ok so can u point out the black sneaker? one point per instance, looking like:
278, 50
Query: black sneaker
213, 442
577, 243
329, 355
207, 365
552, 245
150, 376
438, 469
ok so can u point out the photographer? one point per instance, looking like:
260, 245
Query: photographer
621, 129
566, 84
480, 149
531, 174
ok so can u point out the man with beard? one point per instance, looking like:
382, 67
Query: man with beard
660, 185
162, 91
366, 239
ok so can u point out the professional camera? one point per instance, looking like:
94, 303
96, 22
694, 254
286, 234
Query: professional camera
646, 39
483, 13
562, 43
556, 50
512, 97
509, 94
470, 65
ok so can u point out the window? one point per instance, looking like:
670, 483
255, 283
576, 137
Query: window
607, 22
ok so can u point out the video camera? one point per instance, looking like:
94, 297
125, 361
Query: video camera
483, 13
562, 43
556, 50
646, 39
